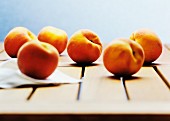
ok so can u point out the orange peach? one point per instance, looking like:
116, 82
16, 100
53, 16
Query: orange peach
123, 57
37, 59
84, 46
57, 37
150, 42
16, 38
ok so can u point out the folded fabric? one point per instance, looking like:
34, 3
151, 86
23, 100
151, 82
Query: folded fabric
10, 76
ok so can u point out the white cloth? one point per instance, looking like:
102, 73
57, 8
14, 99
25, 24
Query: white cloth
10, 76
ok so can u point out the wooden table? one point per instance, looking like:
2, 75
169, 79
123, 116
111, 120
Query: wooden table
101, 96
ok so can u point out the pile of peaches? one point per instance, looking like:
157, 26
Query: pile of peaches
38, 56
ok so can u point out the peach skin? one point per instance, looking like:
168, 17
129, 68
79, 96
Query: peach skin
16, 38
123, 57
150, 43
84, 47
37, 59
54, 36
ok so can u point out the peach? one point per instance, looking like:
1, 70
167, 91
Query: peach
57, 37
84, 46
150, 42
16, 38
123, 57
37, 59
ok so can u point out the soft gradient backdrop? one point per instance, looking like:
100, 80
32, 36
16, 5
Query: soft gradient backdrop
108, 18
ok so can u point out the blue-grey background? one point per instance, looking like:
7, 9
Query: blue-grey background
108, 18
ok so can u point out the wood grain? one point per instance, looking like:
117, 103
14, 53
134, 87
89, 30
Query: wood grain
59, 93
4, 56
102, 94
99, 86
146, 85
164, 57
12, 96
164, 72
1, 47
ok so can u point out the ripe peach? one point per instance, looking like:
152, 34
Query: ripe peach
16, 38
37, 59
57, 37
84, 46
123, 57
150, 42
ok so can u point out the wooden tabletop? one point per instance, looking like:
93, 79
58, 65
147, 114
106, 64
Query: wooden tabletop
100, 96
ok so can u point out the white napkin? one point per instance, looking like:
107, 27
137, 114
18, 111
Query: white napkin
10, 76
